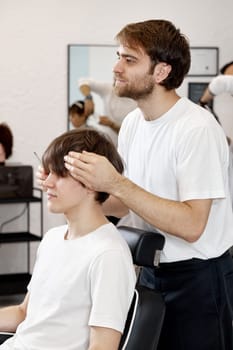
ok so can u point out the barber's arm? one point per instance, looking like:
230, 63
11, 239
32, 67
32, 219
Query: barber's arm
206, 97
218, 85
12, 316
88, 85
104, 120
186, 220
41, 177
112, 206
102, 338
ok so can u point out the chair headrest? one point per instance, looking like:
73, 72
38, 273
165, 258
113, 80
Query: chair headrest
143, 244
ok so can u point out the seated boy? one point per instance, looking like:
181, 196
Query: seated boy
83, 280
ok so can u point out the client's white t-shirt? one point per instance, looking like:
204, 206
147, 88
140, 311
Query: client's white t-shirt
77, 283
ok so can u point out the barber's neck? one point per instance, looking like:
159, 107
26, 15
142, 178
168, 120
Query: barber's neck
158, 103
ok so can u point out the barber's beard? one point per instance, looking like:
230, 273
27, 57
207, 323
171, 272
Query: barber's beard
138, 89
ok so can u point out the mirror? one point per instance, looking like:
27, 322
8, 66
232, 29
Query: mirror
94, 61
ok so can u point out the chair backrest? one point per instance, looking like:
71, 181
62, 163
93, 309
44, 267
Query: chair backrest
146, 314
4, 336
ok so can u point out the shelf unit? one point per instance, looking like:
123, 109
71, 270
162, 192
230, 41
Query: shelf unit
16, 283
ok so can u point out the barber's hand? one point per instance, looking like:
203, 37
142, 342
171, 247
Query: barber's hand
93, 170
41, 177
201, 103
85, 89
104, 120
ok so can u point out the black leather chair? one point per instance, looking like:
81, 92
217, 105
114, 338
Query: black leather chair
146, 314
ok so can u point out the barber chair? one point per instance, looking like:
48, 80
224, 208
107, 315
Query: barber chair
146, 314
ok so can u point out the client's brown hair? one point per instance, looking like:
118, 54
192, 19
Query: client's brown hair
79, 140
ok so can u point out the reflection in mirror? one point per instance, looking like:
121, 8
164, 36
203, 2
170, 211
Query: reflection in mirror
94, 61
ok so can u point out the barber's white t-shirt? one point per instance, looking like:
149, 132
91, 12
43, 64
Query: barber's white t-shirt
183, 155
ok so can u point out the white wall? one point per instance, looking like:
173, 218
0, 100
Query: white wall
34, 35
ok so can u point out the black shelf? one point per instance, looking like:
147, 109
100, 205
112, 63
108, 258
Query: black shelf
14, 283
16, 237
20, 200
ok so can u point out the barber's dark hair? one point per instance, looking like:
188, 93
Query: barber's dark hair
224, 68
77, 107
163, 42
6, 139
86, 139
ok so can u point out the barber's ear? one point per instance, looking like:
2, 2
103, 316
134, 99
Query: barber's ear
161, 71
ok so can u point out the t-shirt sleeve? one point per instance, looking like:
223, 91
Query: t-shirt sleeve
221, 84
201, 165
112, 287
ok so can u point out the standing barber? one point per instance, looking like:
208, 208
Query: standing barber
176, 181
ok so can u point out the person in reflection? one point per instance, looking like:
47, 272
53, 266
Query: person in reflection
82, 114
6, 142
83, 280
77, 114
218, 85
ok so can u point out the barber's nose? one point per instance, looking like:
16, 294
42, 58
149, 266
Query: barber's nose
118, 67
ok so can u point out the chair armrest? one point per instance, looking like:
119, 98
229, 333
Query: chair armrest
145, 246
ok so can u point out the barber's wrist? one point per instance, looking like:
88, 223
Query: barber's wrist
202, 103
89, 97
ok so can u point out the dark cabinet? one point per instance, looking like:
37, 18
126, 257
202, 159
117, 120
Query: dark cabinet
16, 283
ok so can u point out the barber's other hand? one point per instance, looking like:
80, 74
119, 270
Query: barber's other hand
104, 120
93, 170
41, 177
